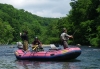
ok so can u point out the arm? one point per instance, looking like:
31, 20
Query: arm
39, 42
33, 43
69, 36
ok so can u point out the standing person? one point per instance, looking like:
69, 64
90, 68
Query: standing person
24, 37
64, 38
37, 42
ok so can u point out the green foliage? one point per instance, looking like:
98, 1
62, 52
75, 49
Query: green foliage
6, 33
85, 18
95, 42
83, 22
13, 21
52, 40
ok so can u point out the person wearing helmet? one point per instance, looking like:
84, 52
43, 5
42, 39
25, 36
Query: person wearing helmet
64, 38
37, 42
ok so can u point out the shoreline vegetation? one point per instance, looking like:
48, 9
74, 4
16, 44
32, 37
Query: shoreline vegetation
83, 21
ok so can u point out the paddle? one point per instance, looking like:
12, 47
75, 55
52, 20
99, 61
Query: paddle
74, 32
73, 35
35, 46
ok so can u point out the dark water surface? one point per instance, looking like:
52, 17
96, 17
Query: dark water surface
89, 59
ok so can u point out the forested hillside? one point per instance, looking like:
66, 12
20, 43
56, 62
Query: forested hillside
83, 22
13, 21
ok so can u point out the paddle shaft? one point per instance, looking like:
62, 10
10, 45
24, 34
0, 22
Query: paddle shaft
35, 47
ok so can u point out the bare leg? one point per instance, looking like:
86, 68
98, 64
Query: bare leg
25, 45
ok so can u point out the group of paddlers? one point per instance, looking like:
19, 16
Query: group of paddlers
36, 43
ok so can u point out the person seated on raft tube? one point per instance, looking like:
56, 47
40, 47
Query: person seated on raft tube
64, 38
36, 42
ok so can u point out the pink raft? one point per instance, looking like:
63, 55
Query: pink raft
53, 54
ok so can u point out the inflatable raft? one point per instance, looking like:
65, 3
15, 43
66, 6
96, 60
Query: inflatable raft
51, 54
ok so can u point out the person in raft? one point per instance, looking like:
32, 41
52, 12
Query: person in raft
24, 37
36, 42
64, 38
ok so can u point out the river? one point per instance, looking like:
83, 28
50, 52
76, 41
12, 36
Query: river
89, 59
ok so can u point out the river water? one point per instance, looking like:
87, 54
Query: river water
89, 59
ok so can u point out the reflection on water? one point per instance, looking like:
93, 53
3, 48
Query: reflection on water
37, 65
26, 64
89, 59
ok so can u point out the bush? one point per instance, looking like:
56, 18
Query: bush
94, 42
